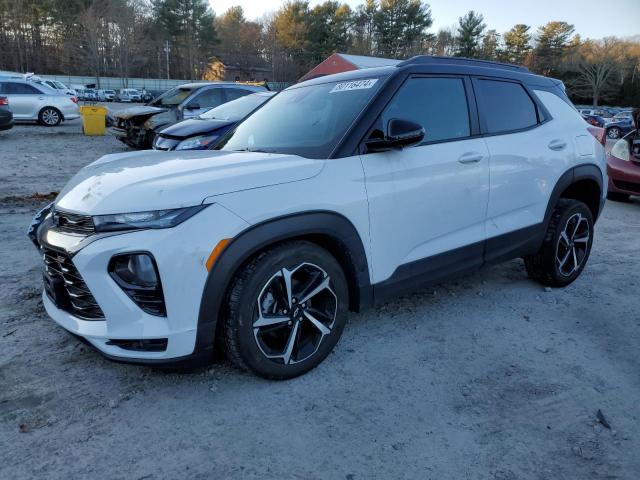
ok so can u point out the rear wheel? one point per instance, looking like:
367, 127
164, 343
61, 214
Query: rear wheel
618, 197
50, 117
286, 310
613, 133
566, 246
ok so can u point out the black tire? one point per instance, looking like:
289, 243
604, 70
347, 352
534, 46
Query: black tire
618, 197
261, 281
50, 117
614, 133
546, 266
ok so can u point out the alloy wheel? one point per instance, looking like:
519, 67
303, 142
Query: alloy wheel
573, 244
613, 133
50, 117
295, 310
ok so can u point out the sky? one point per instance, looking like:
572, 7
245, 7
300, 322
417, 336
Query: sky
588, 16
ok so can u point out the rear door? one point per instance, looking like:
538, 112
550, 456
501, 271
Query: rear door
527, 155
428, 202
24, 99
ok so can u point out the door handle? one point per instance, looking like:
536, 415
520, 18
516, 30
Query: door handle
557, 144
470, 157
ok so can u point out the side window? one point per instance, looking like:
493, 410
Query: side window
21, 89
235, 93
209, 98
3, 88
438, 104
505, 106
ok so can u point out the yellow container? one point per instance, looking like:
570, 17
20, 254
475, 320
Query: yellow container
93, 119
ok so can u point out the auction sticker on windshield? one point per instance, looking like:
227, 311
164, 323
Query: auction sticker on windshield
355, 85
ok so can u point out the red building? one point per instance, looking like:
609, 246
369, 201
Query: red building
341, 62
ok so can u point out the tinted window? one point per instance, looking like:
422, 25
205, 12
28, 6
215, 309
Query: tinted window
505, 106
438, 104
209, 98
20, 89
233, 93
308, 121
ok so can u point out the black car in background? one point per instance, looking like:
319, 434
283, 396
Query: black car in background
203, 132
137, 126
6, 115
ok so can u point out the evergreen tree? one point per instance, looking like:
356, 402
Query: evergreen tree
401, 27
470, 30
491, 45
517, 44
552, 44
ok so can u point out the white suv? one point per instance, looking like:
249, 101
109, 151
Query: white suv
339, 193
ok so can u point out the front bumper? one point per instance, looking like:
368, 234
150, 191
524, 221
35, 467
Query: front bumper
180, 252
624, 177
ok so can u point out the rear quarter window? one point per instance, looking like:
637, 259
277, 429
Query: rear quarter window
505, 106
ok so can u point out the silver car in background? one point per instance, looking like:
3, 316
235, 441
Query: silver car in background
32, 101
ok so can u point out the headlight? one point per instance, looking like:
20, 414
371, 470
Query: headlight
197, 143
144, 220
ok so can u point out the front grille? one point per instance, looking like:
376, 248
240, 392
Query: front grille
628, 186
66, 288
73, 223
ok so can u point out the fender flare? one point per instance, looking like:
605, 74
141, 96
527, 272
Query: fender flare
587, 171
260, 236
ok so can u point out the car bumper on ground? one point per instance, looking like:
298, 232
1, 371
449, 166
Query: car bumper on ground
624, 176
182, 273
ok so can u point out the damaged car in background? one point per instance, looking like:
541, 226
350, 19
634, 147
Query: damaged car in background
137, 126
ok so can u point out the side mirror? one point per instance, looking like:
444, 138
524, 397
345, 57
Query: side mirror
193, 106
399, 133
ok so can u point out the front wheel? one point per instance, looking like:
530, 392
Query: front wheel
286, 310
566, 246
49, 117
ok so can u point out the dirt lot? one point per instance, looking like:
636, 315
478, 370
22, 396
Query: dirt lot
487, 377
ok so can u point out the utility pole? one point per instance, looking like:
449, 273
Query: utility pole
167, 49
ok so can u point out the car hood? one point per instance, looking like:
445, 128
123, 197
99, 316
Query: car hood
155, 180
137, 111
188, 128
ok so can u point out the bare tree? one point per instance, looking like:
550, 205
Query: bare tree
597, 64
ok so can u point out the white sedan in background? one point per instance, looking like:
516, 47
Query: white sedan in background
32, 101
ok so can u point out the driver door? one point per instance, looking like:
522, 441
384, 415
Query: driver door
204, 100
428, 203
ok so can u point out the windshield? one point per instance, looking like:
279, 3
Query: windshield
308, 121
172, 97
236, 109
59, 85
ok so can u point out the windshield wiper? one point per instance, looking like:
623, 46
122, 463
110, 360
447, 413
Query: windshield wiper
247, 149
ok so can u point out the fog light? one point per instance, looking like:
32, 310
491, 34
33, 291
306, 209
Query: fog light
137, 274
137, 269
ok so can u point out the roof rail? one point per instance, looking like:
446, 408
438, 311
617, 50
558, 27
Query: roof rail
435, 60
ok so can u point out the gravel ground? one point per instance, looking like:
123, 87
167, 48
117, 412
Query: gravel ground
487, 377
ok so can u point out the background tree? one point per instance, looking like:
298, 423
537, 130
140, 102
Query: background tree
552, 45
364, 28
328, 30
597, 65
470, 29
517, 44
490, 49
190, 26
401, 27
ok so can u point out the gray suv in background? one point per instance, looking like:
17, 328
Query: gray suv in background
137, 126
